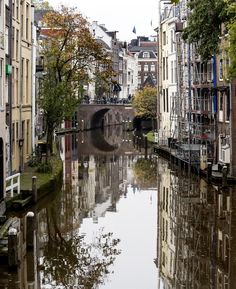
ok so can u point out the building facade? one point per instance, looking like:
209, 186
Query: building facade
2, 101
21, 83
195, 96
145, 50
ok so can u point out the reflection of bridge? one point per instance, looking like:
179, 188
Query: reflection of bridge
112, 142
100, 115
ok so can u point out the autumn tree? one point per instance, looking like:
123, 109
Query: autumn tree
145, 173
145, 102
72, 58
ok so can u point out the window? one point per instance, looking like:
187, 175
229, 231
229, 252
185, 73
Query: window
128, 75
139, 67
139, 79
17, 86
172, 71
13, 138
27, 136
17, 131
153, 67
17, 9
167, 100
164, 38
13, 43
221, 70
163, 198
172, 41
221, 101
17, 44
27, 26
164, 68
13, 86
13, 8
146, 67
167, 195
22, 76
146, 55
164, 100
27, 81
209, 71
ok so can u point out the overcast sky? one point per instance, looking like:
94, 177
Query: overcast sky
120, 15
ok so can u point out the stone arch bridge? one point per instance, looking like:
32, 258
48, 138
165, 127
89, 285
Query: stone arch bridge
90, 116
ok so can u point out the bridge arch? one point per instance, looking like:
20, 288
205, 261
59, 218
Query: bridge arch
92, 116
97, 119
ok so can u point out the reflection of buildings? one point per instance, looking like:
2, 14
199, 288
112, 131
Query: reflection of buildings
26, 274
196, 247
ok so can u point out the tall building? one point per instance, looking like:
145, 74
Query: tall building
20, 94
195, 96
2, 101
168, 75
146, 52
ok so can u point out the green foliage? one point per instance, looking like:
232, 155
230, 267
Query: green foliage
70, 55
145, 173
151, 136
204, 25
232, 37
145, 102
44, 168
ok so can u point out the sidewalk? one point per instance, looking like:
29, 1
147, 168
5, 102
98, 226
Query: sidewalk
45, 184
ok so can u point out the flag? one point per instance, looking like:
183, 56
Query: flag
134, 30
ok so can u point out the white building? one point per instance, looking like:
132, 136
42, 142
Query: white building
2, 100
129, 77
167, 75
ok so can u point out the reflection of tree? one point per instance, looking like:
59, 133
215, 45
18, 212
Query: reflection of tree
145, 173
68, 259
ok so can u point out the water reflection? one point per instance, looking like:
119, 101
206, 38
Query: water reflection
106, 218
93, 184
197, 232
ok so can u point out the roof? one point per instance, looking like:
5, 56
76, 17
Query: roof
151, 52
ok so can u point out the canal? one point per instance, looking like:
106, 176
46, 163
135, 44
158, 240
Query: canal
126, 219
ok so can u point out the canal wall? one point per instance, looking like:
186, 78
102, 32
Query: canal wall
209, 175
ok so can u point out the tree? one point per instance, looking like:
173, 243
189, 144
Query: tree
145, 172
71, 55
145, 102
232, 39
42, 5
69, 259
204, 25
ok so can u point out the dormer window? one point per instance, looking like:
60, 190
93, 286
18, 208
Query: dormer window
146, 55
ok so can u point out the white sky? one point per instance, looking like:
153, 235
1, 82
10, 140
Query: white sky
120, 15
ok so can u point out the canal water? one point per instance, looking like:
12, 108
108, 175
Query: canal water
126, 219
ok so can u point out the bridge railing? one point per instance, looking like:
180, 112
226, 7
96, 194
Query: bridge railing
13, 182
106, 101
